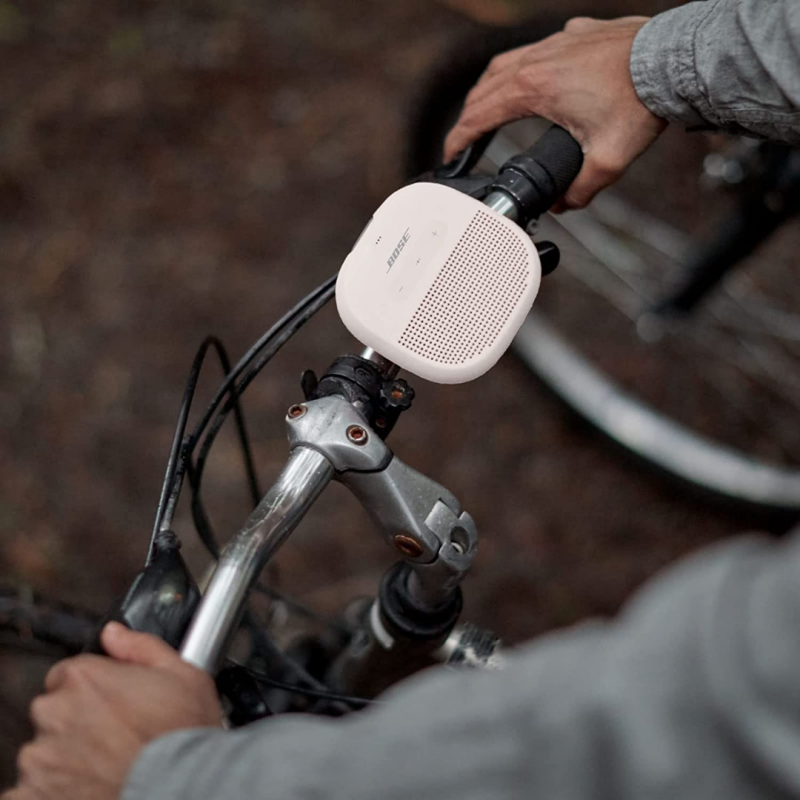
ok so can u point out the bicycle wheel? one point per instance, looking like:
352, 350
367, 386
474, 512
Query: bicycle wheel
712, 396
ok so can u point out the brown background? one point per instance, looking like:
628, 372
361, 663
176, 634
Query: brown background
173, 169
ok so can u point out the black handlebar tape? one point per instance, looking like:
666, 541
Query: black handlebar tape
542, 174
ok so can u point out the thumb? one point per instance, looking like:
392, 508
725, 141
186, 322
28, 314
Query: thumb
133, 647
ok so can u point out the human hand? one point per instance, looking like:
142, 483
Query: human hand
98, 713
580, 79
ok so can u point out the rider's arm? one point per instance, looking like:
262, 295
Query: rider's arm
731, 64
693, 692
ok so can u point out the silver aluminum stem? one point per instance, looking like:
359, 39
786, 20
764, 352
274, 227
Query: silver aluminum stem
305, 475
502, 204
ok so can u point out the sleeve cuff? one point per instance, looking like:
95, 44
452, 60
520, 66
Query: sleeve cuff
663, 65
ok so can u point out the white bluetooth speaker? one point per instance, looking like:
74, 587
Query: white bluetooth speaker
438, 283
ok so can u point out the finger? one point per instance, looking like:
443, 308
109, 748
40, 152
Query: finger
71, 671
489, 84
22, 793
33, 759
507, 67
47, 712
592, 178
580, 194
133, 647
60, 674
489, 87
504, 60
481, 117
55, 677
44, 767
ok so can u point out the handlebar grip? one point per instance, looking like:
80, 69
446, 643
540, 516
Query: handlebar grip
537, 178
560, 155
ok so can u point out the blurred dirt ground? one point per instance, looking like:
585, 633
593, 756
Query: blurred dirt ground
173, 169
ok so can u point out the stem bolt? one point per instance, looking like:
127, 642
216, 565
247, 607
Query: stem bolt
357, 435
407, 545
296, 411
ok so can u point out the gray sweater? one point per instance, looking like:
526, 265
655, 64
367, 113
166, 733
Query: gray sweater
692, 692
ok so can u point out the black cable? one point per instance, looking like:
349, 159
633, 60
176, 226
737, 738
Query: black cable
296, 607
324, 288
180, 449
262, 677
177, 450
273, 341
263, 647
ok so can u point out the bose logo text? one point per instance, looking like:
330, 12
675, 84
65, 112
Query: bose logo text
397, 250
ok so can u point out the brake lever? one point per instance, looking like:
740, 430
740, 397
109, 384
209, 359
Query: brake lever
466, 160
161, 600
456, 173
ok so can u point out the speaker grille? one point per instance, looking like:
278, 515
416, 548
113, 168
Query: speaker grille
470, 301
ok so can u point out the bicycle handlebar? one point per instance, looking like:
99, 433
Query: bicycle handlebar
305, 475
537, 178
532, 182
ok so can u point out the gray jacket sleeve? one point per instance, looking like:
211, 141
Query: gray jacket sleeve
693, 692
727, 64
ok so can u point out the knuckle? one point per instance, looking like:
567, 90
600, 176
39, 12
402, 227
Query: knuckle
533, 85
525, 78
39, 709
53, 675
472, 95
579, 24
71, 672
45, 714
496, 64
77, 670
28, 758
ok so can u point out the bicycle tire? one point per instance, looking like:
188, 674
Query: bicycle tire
647, 433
